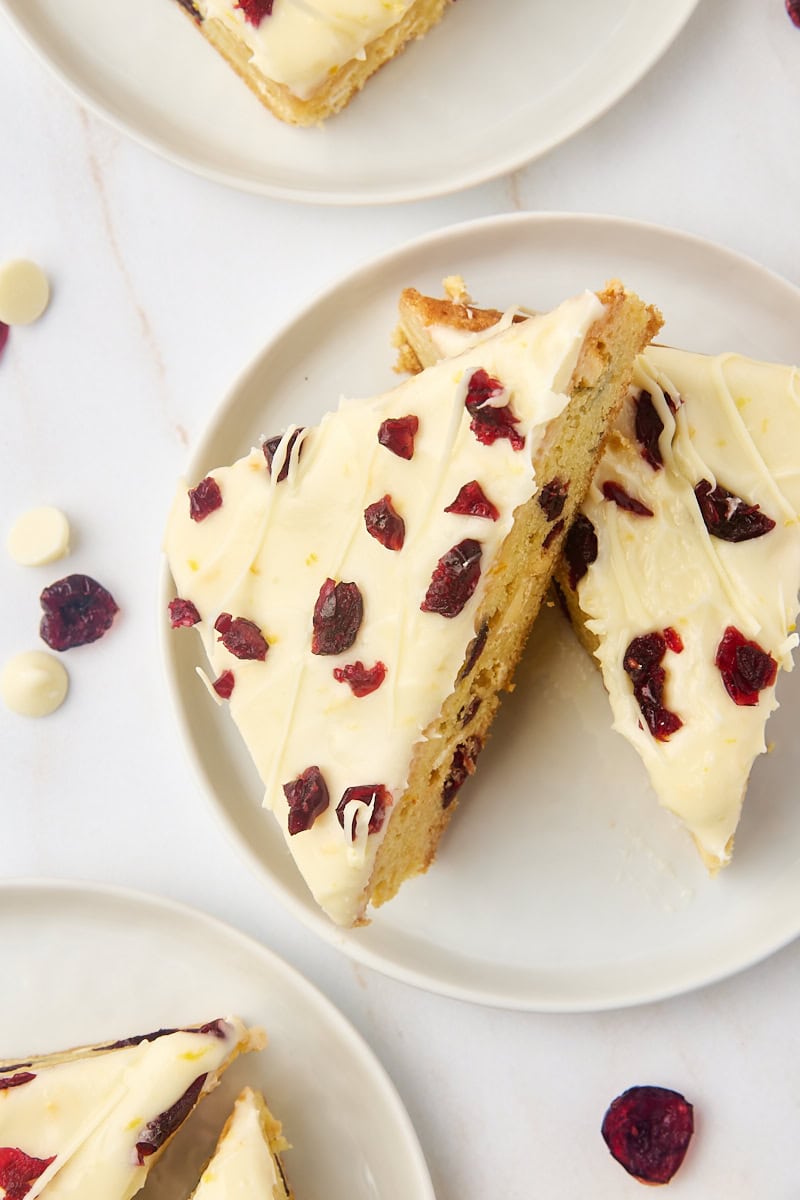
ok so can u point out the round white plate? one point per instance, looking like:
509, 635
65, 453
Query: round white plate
91, 964
494, 87
560, 884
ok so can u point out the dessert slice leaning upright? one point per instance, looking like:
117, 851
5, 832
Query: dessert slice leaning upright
364, 588
681, 573
246, 1162
94, 1120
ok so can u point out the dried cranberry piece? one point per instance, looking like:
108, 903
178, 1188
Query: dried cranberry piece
793, 9
648, 1130
474, 650
182, 613
255, 10
553, 497
204, 499
397, 434
728, 517
156, 1132
12, 1081
269, 449
616, 492
552, 534
364, 793
466, 713
490, 422
454, 579
580, 548
385, 524
362, 680
241, 637
674, 640
649, 428
463, 764
746, 669
19, 1171
224, 684
472, 501
307, 796
3, 336
77, 610
338, 613
642, 662
217, 1027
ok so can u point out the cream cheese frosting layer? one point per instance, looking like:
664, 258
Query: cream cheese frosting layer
243, 1166
91, 1120
303, 42
736, 424
266, 552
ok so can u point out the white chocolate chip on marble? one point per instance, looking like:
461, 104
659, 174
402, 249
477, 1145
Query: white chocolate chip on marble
24, 292
38, 536
34, 684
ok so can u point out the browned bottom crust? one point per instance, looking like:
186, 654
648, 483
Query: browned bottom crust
519, 580
342, 85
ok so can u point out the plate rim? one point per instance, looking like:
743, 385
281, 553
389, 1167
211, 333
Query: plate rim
650, 54
527, 999
85, 890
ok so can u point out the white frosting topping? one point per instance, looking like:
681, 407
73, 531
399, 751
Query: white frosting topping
303, 42
24, 292
243, 1166
88, 1113
39, 536
34, 683
738, 426
267, 551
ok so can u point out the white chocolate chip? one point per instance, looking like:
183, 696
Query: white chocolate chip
34, 684
40, 535
24, 292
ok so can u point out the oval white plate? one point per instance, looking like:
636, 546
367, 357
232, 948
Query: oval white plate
561, 884
494, 87
119, 963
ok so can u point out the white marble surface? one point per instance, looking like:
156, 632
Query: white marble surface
164, 286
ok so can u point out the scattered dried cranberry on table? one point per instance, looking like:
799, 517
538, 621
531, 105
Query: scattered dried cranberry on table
77, 610
648, 1130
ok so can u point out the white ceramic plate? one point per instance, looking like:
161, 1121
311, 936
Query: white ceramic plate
496, 86
560, 884
91, 964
